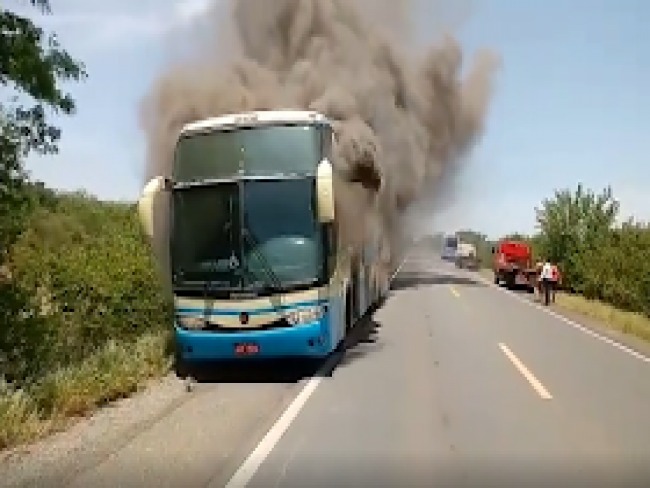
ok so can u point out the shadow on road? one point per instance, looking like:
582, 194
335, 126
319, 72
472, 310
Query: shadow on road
520, 288
413, 279
361, 341
253, 371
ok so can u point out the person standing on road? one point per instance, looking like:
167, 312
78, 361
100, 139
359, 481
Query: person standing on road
555, 280
538, 274
546, 277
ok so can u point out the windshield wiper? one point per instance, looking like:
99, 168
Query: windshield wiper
275, 282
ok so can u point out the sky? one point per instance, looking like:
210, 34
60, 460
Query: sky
569, 105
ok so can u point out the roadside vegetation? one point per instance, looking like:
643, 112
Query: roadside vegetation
605, 264
82, 313
83, 318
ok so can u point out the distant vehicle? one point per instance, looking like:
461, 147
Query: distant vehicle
513, 264
449, 247
466, 256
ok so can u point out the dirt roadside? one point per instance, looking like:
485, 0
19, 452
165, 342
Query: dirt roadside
229, 418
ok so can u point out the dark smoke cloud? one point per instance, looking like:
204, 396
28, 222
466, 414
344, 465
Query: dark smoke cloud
404, 119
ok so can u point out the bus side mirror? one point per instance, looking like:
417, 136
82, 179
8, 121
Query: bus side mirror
147, 203
325, 192
493, 250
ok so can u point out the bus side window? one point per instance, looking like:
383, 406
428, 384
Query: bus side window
326, 142
325, 240
331, 244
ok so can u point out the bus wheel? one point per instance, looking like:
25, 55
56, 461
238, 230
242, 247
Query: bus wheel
181, 368
341, 346
349, 312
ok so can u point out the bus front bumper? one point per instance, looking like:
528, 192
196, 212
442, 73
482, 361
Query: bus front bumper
308, 340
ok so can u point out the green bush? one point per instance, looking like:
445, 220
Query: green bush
82, 313
618, 272
598, 258
112, 372
87, 276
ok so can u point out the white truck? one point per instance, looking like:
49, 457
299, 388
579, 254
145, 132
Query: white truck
466, 256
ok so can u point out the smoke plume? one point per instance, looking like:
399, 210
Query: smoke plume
403, 119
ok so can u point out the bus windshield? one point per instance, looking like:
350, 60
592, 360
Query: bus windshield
205, 235
285, 237
267, 150
251, 235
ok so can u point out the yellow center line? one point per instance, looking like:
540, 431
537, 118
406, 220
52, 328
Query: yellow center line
454, 291
530, 377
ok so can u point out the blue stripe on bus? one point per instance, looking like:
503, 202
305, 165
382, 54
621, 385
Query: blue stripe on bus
257, 311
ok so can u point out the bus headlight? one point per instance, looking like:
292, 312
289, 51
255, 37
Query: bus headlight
191, 323
304, 315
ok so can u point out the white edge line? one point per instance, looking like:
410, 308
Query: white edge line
573, 324
251, 465
399, 268
526, 373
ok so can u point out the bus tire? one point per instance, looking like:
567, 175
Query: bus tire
181, 367
349, 311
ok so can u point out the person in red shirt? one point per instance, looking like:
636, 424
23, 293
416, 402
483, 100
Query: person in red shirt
555, 280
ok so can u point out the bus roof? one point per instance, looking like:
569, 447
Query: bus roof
254, 118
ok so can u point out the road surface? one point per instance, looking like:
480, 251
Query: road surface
453, 382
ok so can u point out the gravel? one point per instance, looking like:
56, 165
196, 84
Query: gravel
90, 440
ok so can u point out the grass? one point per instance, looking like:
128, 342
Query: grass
631, 323
115, 371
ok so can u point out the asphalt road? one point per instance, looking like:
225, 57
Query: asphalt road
464, 385
453, 382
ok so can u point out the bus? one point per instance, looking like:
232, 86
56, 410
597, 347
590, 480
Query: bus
255, 243
449, 247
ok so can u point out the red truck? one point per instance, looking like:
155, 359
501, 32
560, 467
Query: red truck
513, 264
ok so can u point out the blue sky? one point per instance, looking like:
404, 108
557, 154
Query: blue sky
569, 103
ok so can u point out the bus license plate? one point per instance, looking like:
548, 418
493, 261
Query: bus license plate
246, 349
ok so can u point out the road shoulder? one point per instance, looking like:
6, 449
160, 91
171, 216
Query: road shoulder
628, 340
89, 440
597, 326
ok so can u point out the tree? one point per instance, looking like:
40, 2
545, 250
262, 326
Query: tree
574, 223
516, 236
32, 65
